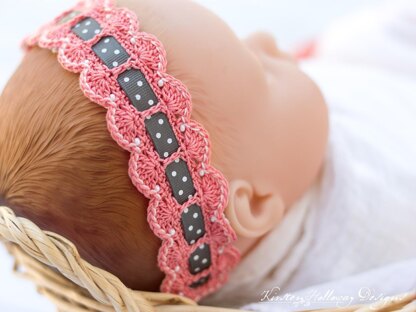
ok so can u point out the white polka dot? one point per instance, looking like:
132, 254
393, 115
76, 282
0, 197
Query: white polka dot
192, 242
107, 40
138, 97
202, 172
140, 83
204, 261
190, 228
184, 179
126, 79
169, 141
195, 215
160, 83
115, 64
158, 135
160, 121
166, 154
182, 128
77, 25
186, 210
189, 196
196, 257
151, 102
117, 51
180, 192
87, 23
197, 269
202, 246
173, 173
84, 31
149, 117
177, 160
104, 50
198, 231
97, 31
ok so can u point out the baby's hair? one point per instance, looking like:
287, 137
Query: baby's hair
60, 168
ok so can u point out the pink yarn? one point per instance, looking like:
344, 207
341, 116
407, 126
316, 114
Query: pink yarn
126, 125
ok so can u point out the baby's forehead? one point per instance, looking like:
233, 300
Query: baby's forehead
202, 50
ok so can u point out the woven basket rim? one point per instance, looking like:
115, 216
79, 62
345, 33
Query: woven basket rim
53, 263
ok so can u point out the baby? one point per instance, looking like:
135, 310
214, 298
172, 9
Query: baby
290, 193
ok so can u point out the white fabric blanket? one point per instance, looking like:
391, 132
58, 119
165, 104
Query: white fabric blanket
367, 288
361, 215
356, 229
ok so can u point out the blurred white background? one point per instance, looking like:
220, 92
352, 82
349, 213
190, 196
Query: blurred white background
291, 22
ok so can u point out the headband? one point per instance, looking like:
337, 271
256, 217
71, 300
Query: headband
148, 114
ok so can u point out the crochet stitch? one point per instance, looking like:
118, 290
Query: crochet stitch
196, 253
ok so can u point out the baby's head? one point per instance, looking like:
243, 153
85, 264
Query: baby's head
60, 167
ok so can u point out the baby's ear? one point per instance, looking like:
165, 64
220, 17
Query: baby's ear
251, 213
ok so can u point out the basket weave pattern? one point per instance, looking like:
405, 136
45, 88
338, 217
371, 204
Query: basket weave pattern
73, 285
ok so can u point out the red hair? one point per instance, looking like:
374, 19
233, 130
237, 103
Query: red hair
60, 168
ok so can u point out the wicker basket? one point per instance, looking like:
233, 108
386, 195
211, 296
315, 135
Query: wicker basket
73, 285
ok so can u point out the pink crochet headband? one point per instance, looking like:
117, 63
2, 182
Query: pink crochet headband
148, 114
